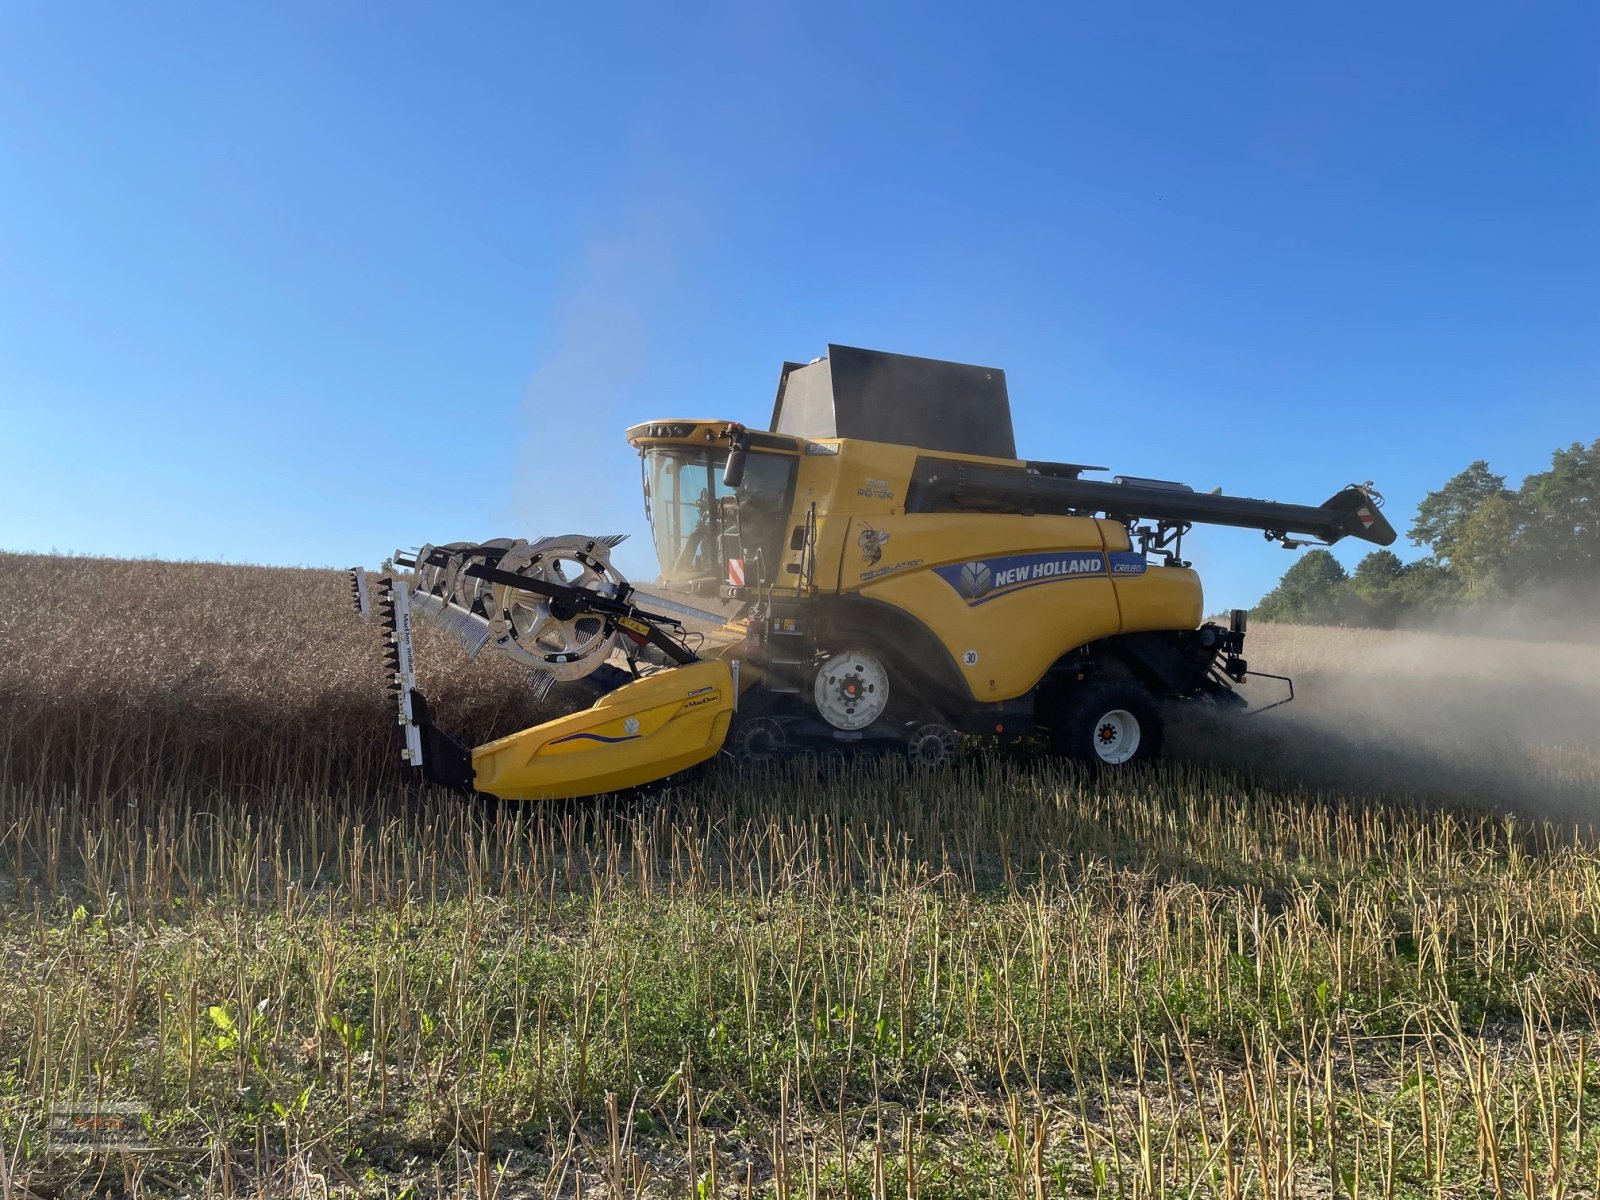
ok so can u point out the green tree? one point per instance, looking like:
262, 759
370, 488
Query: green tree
1561, 539
1377, 585
1312, 592
1488, 551
1426, 589
1443, 515
1488, 542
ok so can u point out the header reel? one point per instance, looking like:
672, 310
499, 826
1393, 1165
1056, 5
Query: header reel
555, 639
557, 605
551, 633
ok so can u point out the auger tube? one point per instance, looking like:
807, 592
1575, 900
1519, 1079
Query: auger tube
948, 486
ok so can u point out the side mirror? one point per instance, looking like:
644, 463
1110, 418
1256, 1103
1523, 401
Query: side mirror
733, 469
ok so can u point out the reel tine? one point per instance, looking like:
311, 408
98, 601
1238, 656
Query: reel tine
541, 683
471, 631
426, 606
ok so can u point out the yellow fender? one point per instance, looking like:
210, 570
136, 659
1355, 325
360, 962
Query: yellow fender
643, 731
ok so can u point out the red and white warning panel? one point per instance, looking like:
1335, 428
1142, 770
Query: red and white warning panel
736, 572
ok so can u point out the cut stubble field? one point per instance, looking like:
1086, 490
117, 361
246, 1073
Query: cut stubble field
1349, 947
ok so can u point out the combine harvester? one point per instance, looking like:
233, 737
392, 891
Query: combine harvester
898, 578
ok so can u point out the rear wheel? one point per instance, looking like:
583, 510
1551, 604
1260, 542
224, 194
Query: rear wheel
1112, 725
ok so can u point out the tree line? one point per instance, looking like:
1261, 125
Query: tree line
1488, 544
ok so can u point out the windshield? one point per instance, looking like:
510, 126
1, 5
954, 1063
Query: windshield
699, 525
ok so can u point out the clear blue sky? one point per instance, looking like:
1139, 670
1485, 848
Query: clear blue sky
297, 283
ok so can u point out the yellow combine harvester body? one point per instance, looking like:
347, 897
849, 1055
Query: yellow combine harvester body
1066, 581
896, 579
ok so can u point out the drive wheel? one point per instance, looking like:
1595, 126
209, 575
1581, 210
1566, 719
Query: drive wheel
1112, 725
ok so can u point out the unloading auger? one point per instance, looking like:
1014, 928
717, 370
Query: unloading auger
900, 582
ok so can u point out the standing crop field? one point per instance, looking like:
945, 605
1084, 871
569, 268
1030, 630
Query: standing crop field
1350, 948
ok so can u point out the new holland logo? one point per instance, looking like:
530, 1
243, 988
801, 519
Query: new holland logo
975, 580
987, 579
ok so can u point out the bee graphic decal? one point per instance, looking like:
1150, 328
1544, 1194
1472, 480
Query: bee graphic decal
871, 542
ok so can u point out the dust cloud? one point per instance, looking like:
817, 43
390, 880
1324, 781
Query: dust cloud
591, 380
1511, 724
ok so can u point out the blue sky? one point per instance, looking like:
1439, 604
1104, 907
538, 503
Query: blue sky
298, 283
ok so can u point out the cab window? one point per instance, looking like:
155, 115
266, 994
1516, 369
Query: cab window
698, 524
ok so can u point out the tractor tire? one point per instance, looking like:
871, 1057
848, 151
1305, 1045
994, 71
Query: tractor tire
1111, 725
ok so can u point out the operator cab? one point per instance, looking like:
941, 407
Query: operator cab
710, 537
707, 535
